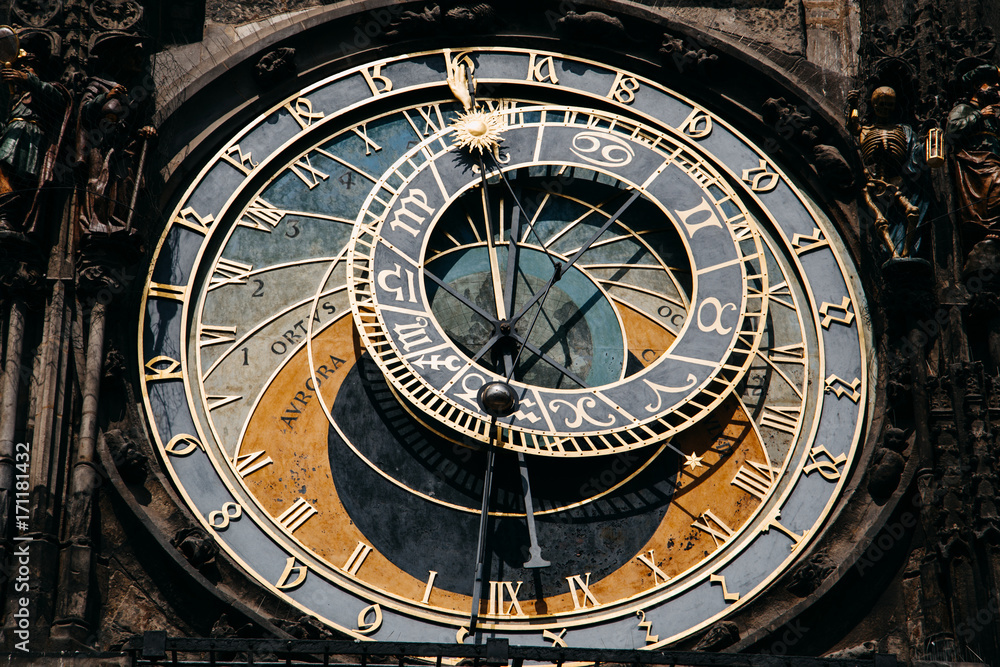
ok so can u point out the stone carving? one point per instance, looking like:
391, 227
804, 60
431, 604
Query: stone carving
923, 47
687, 54
862, 650
796, 124
893, 160
196, 546
462, 19
33, 119
885, 472
111, 147
720, 636
116, 14
36, 13
810, 575
974, 131
596, 26
306, 627
224, 627
275, 65
129, 460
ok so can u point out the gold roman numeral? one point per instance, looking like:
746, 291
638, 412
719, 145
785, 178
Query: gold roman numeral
580, 586
165, 291
781, 418
229, 272
250, 463
357, 559
296, 515
756, 480
714, 526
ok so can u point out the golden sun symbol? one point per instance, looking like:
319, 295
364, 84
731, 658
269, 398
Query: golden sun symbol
478, 130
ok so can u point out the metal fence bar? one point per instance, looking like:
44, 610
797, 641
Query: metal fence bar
491, 653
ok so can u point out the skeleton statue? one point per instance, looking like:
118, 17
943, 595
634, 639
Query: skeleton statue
890, 155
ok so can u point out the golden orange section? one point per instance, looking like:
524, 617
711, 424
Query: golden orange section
647, 340
677, 545
301, 467
290, 426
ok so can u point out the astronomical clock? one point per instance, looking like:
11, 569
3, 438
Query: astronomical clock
507, 342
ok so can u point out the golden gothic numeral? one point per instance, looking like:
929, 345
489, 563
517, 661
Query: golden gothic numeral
190, 218
761, 178
163, 368
183, 444
844, 306
624, 88
372, 612
830, 469
542, 68
726, 595
235, 156
220, 519
377, 82
840, 387
301, 109
647, 626
293, 576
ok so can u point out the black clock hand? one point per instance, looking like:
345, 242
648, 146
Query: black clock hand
512, 252
518, 207
561, 269
451, 290
534, 549
477, 584
549, 360
535, 559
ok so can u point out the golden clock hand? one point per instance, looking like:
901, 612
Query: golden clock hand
494, 269
558, 273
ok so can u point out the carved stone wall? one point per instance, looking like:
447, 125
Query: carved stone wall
929, 583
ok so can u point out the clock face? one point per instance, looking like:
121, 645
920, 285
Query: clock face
678, 323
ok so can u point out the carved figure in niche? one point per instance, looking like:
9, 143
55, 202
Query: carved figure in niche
974, 132
34, 115
111, 145
892, 158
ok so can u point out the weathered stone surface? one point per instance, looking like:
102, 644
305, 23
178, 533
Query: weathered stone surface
223, 11
777, 23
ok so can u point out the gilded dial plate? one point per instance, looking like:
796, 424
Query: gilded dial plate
312, 466
707, 356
